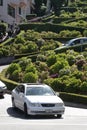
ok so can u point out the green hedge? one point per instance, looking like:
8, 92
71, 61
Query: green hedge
69, 9
48, 27
74, 98
59, 19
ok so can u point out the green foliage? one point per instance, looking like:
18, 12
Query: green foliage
80, 23
60, 64
67, 33
3, 27
72, 85
43, 75
13, 72
51, 60
4, 52
31, 35
71, 59
83, 88
38, 4
57, 85
29, 47
13, 67
24, 62
85, 33
30, 77
42, 66
41, 57
31, 68
70, 66
64, 71
15, 76
19, 39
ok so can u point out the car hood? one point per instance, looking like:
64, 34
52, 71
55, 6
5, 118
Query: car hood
44, 99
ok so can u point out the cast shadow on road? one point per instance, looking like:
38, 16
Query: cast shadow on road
16, 113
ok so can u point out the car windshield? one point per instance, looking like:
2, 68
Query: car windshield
42, 91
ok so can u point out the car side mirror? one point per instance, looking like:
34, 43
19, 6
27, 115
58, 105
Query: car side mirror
57, 93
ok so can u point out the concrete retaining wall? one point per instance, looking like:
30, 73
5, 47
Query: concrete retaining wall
6, 60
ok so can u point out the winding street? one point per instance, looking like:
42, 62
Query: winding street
3, 67
13, 119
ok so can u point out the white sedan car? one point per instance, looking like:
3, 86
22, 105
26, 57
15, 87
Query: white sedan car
37, 99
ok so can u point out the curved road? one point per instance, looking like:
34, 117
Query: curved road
13, 119
3, 67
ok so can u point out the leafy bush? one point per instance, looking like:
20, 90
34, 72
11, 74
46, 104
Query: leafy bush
24, 62
72, 85
3, 27
12, 68
41, 57
29, 47
30, 77
57, 85
51, 60
31, 68
83, 88
16, 76
19, 39
60, 64
68, 33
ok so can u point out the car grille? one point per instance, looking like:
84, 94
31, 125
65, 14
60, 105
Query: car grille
48, 105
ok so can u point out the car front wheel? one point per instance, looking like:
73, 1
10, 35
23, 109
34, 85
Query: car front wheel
25, 110
13, 103
59, 115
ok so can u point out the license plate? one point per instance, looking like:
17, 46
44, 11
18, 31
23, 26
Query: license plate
48, 110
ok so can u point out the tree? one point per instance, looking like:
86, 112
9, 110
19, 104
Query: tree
38, 4
57, 4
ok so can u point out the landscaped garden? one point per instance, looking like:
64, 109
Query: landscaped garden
36, 59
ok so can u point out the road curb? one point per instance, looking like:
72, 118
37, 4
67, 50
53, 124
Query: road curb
77, 105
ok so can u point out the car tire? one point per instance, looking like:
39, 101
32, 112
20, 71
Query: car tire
59, 115
13, 103
25, 110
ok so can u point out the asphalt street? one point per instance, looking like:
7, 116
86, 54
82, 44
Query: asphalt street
11, 119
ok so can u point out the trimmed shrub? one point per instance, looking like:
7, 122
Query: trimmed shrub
30, 77
51, 60
75, 98
12, 68
83, 88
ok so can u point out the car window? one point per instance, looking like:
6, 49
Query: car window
77, 42
20, 89
84, 40
39, 91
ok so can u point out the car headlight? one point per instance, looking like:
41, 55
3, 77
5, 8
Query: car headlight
34, 104
59, 104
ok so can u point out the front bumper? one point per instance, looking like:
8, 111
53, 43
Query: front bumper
46, 111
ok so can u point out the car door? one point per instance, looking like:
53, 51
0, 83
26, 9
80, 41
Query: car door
20, 97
